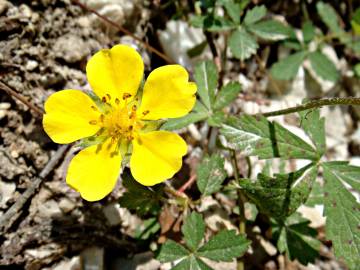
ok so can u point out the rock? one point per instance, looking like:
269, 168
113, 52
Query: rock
93, 258
73, 264
71, 48
31, 65
66, 205
3, 6
112, 214
7, 191
49, 209
4, 106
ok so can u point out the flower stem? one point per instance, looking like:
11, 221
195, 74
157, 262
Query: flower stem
314, 104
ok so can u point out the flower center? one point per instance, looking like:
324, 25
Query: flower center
118, 120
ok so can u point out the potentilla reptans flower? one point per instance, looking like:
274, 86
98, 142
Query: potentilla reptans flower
119, 121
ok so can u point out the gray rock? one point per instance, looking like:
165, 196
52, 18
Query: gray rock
71, 48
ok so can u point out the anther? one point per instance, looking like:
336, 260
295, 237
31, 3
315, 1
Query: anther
108, 96
134, 107
117, 101
103, 99
131, 128
145, 112
92, 122
102, 118
94, 108
126, 95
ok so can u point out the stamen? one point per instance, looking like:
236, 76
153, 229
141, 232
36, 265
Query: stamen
103, 99
145, 112
92, 122
102, 117
131, 128
126, 96
134, 107
108, 96
94, 108
117, 101
117, 126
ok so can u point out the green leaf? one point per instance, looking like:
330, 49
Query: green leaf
308, 31
242, 44
272, 30
216, 119
257, 136
297, 239
193, 230
138, 197
329, 16
212, 23
226, 95
288, 67
357, 70
210, 174
177, 123
206, 77
149, 228
171, 251
191, 263
314, 126
233, 10
342, 211
281, 195
316, 196
224, 246
323, 66
197, 49
255, 14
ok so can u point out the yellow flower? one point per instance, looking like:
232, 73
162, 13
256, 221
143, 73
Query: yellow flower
120, 121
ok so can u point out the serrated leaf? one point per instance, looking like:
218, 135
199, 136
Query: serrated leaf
171, 251
193, 230
256, 136
329, 16
191, 263
288, 67
212, 23
342, 211
308, 31
316, 196
233, 10
255, 14
148, 228
314, 126
206, 77
138, 197
297, 239
226, 95
242, 44
281, 195
216, 119
177, 123
210, 174
323, 66
197, 49
271, 29
224, 246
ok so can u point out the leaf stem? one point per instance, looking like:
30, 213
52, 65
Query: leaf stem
317, 103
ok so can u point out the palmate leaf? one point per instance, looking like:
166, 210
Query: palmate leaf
256, 136
193, 230
138, 197
206, 77
226, 95
224, 246
172, 251
342, 211
242, 44
288, 67
271, 29
314, 126
329, 16
323, 67
192, 263
281, 195
297, 239
255, 14
177, 123
210, 174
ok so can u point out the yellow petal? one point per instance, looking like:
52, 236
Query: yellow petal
156, 156
115, 72
94, 171
167, 94
68, 114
